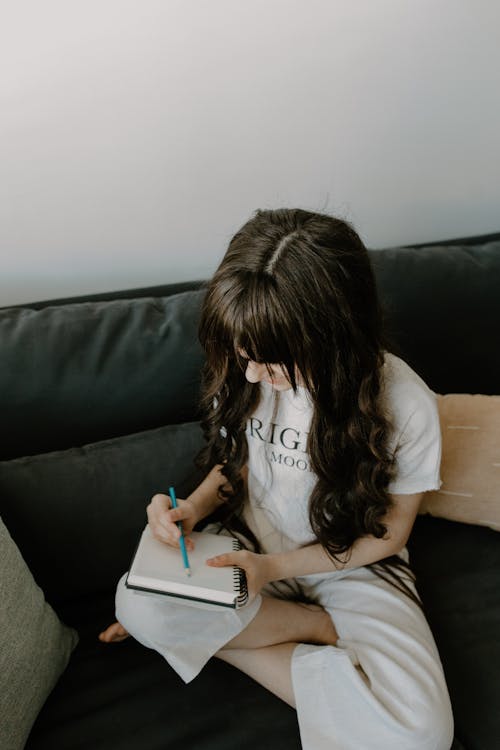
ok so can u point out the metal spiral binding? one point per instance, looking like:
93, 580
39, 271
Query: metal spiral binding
239, 579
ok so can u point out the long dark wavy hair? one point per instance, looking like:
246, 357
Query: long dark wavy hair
296, 288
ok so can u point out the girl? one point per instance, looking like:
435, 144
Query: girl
320, 445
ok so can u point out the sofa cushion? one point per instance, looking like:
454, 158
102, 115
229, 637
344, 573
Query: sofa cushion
457, 568
83, 372
443, 310
76, 514
125, 697
35, 646
470, 464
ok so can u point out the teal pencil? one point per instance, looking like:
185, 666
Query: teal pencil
181, 539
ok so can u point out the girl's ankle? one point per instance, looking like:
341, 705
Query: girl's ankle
325, 632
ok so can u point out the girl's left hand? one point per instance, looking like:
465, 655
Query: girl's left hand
256, 567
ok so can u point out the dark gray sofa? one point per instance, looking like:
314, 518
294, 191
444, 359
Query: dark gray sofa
119, 374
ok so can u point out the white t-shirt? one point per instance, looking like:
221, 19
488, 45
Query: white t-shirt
280, 479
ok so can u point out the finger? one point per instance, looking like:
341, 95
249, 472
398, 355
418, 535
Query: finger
159, 503
178, 514
160, 518
221, 561
174, 531
157, 511
167, 533
189, 544
160, 512
170, 534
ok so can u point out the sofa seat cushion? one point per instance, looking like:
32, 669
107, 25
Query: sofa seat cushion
76, 514
125, 697
457, 576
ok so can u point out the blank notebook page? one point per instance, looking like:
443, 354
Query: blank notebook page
156, 561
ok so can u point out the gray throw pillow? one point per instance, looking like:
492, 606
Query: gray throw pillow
35, 646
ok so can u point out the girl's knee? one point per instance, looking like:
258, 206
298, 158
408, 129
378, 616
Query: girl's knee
434, 726
132, 610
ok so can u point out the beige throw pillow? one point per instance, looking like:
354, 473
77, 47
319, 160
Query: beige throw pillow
470, 463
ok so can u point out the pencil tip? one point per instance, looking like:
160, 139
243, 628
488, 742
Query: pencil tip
188, 571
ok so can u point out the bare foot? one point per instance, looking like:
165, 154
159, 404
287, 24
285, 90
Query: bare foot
114, 633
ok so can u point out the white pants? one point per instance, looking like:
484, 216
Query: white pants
380, 688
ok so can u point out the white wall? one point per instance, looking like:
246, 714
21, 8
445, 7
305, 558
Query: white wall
138, 135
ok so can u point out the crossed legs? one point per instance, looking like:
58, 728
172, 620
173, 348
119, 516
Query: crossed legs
264, 649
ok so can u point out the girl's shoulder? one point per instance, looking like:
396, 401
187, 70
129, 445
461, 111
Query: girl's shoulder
408, 400
411, 407
399, 379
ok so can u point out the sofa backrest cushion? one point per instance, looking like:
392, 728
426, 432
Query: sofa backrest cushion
76, 514
443, 312
81, 372
77, 373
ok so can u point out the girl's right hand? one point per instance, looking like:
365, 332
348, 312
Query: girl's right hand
162, 519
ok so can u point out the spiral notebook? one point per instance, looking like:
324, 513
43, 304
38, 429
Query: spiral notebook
157, 568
